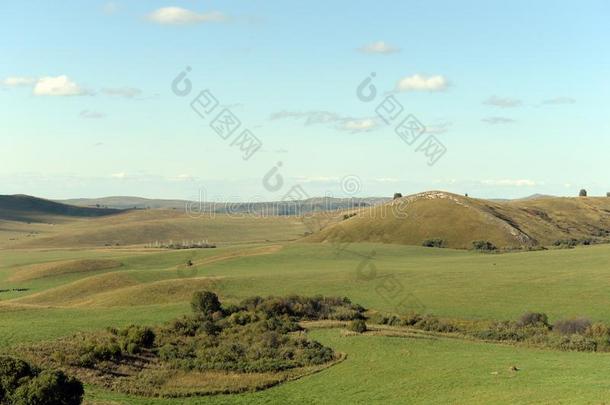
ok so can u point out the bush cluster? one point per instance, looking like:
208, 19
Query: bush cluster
571, 243
258, 335
426, 322
436, 243
22, 384
120, 344
483, 245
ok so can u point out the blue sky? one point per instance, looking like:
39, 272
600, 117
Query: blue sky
516, 92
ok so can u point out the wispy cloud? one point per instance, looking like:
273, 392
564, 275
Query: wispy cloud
91, 114
127, 92
337, 121
15, 81
380, 47
182, 16
58, 86
511, 182
359, 125
502, 102
309, 117
110, 8
419, 82
559, 100
498, 120
438, 127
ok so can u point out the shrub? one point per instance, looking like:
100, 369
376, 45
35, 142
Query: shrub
572, 326
12, 372
533, 319
357, 325
205, 303
49, 387
503, 331
397, 195
577, 343
21, 384
598, 330
432, 324
582, 193
436, 243
483, 245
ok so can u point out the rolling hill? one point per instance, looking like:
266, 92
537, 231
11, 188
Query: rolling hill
24, 208
459, 221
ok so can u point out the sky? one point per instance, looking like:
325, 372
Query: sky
494, 99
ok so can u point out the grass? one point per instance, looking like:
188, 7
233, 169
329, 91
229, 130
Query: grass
402, 370
152, 286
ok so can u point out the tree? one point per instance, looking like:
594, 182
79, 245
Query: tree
397, 195
205, 302
608, 194
583, 193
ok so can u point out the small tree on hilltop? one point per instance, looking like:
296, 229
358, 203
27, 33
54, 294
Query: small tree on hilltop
397, 195
583, 193
608, 194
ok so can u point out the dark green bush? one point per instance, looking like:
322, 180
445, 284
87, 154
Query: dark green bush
357, 325
13, 372
435, 243
205, 303
21, 384
483, 245
533, 319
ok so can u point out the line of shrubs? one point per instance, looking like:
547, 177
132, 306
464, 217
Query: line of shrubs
22, 384
577, 334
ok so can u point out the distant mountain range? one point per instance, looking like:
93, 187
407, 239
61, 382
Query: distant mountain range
269, 208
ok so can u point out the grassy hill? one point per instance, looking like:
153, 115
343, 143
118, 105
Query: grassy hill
459, 221
140, 227
24, 208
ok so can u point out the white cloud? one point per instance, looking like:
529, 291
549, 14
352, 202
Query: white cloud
120, 175
379, 47
422, 83
498, 120
510, 182
91, 114
127, 92
502, 102
359, 125
57, 86
182, 16
559, 100
110, 8
14, 81
438, 128
311, 117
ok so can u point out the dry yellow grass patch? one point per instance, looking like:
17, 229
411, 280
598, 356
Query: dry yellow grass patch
159, 292
74, 293
42, 270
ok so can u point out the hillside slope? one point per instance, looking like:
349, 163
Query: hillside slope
459, 221
24, 208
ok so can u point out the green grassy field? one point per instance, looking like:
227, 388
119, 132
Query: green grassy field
444, 282
400, 370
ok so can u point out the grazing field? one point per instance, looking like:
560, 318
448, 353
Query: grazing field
426, 371
54, 293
